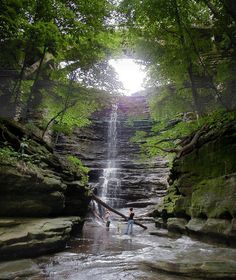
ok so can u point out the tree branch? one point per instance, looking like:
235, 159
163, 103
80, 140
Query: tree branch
56, 116
174, 150
189, 147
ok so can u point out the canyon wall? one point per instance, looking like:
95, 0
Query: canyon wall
201, 199
141, 182
42, 199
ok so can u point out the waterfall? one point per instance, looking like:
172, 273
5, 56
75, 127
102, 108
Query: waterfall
110, 179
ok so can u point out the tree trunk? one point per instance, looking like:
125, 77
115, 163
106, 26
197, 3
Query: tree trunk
207, 72
195, 95
28, 108
98, 200
230, 8
218, 16
65, 104
17, 91
190, 68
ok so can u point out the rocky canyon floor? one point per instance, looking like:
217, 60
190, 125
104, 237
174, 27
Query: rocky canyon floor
100, 254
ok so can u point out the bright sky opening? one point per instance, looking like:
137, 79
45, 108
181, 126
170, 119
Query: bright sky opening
130, 73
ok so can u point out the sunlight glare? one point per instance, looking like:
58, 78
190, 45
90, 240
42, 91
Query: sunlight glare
130, 73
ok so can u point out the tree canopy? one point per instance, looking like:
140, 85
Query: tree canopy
189, 50
50, 50
54, 56
189, 45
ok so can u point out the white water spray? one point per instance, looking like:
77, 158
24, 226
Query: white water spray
111, 182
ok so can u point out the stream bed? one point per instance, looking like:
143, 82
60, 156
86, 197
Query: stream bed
98, 253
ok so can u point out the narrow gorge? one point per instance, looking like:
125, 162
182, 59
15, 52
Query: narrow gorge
117, 115
57, 200
138, 182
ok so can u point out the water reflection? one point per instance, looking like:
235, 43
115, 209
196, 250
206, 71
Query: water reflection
109, 255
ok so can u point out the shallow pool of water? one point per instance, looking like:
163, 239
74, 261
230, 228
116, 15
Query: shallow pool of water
101, 254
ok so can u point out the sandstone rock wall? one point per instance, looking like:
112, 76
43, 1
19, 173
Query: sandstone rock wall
35, 187
203, 190
28, 237
36, 183
142, 182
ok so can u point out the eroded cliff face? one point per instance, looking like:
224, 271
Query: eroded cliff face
202, 196
144, 181
141, 182
37, 185
36, 182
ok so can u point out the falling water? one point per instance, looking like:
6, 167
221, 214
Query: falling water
111, 182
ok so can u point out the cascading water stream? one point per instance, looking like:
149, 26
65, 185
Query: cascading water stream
111, 182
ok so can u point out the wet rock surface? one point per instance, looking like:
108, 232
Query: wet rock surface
27, 237
108, 255
206, 270
140, 182
21, 269
36, 183
203, 189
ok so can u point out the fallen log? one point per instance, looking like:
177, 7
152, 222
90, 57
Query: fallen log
98, 200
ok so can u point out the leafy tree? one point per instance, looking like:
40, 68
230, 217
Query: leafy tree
180, 42
189, 50
44, 34
69, 105
180, 135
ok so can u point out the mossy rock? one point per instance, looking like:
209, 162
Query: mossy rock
34, 181
177, 225
32, 205
214, 198
182, 207
217, 226
213, 159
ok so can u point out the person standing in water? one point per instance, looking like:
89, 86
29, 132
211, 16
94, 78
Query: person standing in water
130, 222
107, 219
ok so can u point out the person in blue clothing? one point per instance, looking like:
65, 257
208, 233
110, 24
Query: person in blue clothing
130, 222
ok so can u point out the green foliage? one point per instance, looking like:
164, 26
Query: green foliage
187, 44
39, 36
167, 102
76, 165
8, 155
139, 136
166, 136
71, 105
219, 118
170, 200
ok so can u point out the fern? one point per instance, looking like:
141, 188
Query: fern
76, 165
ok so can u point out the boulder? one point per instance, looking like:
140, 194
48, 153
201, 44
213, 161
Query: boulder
21, 269
206, 270
27, 237
196, 225
177, 225
165, 233
159, 223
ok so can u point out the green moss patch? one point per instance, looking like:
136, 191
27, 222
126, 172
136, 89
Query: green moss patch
215, 198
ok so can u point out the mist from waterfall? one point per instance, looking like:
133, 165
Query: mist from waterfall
111, 181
